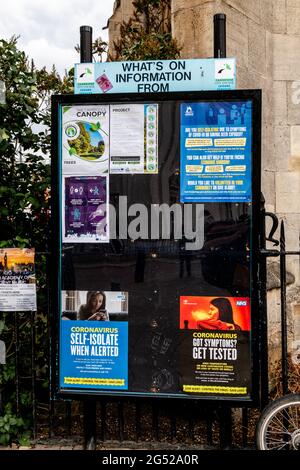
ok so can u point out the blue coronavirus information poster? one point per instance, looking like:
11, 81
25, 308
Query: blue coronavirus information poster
215, 151
94, 355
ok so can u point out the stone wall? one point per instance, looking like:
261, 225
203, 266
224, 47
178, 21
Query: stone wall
264, 36
286, 96
122, 12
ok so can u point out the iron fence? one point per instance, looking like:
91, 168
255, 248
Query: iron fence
145, 422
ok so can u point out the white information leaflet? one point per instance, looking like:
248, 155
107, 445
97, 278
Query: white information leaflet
133, 138
17, 298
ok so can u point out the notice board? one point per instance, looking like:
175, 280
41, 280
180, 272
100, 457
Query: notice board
156, 226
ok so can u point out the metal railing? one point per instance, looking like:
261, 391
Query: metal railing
142, 421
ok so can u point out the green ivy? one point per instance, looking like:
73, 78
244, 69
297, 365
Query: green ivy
12, 428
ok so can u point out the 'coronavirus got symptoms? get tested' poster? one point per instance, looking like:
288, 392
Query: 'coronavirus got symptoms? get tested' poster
215, 354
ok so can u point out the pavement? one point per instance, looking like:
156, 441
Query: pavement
72, 444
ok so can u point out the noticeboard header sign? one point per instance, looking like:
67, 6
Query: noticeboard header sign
155, 76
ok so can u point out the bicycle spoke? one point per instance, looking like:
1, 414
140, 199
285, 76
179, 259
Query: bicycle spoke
280, 421
273, 445
276, 440
278, 432
296, 426
283, 445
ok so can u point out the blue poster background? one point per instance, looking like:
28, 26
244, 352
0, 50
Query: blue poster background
215, 151
94, 355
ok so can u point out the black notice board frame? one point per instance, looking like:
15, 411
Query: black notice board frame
256, 97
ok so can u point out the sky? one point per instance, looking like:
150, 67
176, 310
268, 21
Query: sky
49, 29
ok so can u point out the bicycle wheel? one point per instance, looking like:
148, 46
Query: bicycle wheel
278, 427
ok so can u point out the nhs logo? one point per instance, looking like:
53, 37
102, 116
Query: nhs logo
189, 111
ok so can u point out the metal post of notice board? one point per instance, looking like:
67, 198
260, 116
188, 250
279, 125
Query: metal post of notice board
220, 52
219, 35
89, 405
263, 335
86, 44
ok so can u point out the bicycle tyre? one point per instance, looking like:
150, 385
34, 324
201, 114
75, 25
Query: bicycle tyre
278, 427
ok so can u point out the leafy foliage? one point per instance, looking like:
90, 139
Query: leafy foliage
10, 425
24, 145
99, 49
147, 35
25, 217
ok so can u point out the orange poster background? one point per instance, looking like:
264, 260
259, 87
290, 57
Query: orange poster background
241, 313
17, 256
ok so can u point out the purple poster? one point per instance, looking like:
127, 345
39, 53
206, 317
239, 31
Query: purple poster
86, 209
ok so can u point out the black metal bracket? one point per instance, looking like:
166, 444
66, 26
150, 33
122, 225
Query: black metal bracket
264, 251
275, 225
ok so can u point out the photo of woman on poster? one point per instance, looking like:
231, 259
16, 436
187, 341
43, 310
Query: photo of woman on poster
95, 305
94, 308
218, 317
215, 313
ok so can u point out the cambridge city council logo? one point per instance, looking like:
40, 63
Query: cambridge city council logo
224, 69
85, 74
